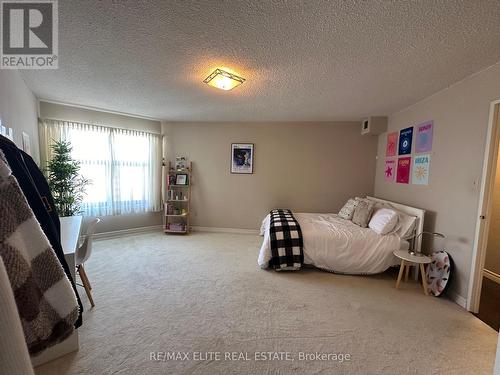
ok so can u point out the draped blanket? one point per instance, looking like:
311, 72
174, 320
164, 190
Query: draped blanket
44, 297
286, 241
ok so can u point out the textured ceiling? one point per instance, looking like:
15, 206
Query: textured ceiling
307, 60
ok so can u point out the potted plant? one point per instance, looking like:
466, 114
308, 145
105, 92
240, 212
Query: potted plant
65, 182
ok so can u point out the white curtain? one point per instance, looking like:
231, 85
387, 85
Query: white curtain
124, 166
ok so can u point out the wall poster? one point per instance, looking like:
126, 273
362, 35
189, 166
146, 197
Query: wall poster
242, 158
403, 172
390, 170
392, 143
424, 137
405, 141
420, 170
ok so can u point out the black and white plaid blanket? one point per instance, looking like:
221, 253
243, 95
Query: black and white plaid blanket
286, 241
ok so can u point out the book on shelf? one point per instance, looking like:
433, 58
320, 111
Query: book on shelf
171, 178
169, 209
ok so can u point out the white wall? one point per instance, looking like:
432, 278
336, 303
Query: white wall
305, 166
460, 115
70, 113
18, 109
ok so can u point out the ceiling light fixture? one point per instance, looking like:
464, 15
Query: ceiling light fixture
223, 80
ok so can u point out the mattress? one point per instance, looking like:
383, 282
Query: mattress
338, 245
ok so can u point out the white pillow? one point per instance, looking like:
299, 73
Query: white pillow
406, 225
383, 221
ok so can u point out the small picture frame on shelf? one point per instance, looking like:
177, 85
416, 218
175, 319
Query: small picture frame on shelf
181, 179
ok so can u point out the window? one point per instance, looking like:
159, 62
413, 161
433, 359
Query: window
124, 166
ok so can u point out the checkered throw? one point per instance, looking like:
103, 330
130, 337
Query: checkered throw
45, 300
286, 241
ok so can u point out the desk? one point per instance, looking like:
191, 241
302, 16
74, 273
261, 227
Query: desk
70, 235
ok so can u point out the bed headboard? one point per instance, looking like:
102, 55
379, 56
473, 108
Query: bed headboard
417, 212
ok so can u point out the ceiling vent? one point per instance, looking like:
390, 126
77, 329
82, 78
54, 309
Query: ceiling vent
374, 125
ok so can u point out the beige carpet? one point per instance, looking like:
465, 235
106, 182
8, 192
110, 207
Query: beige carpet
205, 293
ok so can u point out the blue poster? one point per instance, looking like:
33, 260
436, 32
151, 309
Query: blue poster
405, 140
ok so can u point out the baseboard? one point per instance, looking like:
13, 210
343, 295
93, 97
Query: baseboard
457, 298
126, 232
224, 230
154, 228
491, 275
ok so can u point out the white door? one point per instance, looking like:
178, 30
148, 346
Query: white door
485, 207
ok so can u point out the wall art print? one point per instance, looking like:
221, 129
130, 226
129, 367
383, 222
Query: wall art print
392, 144
403, 172
405, 141
420, 169
390, 170
242, 158
423, 138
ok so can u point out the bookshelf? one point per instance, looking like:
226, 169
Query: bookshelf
177, 202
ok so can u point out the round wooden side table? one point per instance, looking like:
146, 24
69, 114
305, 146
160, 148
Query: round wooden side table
408, 260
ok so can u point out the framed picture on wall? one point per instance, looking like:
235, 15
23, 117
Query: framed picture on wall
242, 156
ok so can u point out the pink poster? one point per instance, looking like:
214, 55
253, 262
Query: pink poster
403, 174
390, 170
392, 142
424, 137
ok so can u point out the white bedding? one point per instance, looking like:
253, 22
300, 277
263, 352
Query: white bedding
336, 244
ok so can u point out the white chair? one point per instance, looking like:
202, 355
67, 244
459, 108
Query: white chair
81, 256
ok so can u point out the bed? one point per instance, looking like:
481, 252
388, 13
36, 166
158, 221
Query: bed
334, 244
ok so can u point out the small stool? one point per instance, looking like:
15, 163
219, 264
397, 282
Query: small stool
408, 260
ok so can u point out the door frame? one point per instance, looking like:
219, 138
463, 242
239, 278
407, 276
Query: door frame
484, 208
